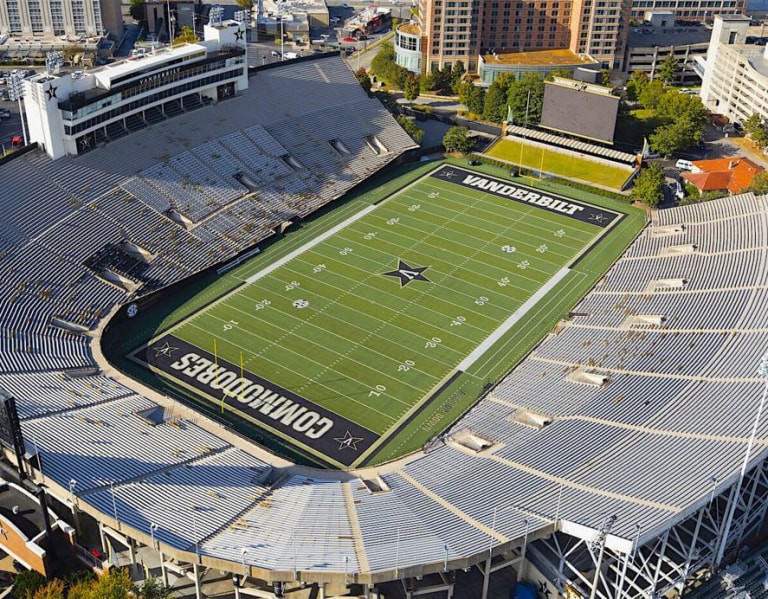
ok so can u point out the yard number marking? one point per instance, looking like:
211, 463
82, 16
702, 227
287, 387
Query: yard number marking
376, 391
433, 343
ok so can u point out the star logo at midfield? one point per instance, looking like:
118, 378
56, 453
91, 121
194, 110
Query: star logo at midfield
406, 273
51, 92
164, 350
348, 441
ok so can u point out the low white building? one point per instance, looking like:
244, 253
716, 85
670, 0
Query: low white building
73, 113
735, 74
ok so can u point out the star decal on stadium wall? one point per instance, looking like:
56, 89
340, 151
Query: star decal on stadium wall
51, 92
544, 589
239, 35
164, 350
406, 273
348, 441
84, 142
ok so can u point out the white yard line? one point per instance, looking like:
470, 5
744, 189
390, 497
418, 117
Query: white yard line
307, 246
513, 319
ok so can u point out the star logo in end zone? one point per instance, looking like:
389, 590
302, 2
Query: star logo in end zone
449, 173
348, 441
164, 350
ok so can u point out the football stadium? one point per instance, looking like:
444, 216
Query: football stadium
256, 338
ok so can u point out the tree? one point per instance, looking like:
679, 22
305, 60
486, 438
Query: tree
760, 137
495, 105
383, 64
457, 74
649, 184
153, 589
114, 583
605, 77
559, 72
245, 4
668, 70
636, 85
439, 80
457, 139
472, 96
411, 88
53, 590
525, 98
673, 106
187, 36
674, 137
760, 183
136, 10
27, 583
363, 79
411, 128
651, 94
753, 123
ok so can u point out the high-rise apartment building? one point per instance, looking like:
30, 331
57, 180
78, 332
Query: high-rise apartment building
72, 18
450, 30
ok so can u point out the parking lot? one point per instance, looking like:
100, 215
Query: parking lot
11, 125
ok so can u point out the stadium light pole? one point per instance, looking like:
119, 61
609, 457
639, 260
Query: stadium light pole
243, 553
762, 371
714, 480
72, 485
152, 529
445, 561
16, 90
114, 503
525, 548
346, 569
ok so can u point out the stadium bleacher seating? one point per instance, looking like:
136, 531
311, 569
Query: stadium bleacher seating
672, 392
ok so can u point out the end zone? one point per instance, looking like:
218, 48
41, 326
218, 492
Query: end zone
317, 430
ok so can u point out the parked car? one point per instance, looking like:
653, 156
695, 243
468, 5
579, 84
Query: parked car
5, 114
684, 165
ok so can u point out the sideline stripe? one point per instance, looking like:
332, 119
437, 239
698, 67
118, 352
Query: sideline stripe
512, 320
309, 245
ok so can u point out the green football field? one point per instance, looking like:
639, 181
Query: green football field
335, 346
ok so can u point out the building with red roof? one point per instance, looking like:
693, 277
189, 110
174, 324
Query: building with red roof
732, 174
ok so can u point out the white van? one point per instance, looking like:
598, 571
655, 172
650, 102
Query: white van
290, 55
684, 165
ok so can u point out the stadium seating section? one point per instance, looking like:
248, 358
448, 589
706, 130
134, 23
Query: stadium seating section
672, 335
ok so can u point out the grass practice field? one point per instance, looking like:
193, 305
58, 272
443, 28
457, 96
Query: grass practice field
563, 165
338, 345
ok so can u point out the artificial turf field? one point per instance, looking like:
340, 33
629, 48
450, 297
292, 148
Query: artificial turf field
560, 163
338, 345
